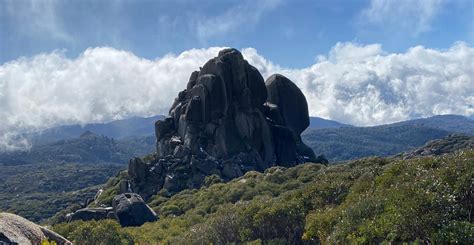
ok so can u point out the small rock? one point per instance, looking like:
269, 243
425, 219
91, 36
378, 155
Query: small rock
181, 151
204, 165
87, 214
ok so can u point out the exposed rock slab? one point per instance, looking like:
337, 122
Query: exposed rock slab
17, 230
448, 144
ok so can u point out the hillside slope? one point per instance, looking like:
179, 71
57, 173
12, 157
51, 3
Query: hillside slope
38, 191
318, 122
451, 123
118, 129
346, 143
52, 177
356, 142
426, 199
88, 148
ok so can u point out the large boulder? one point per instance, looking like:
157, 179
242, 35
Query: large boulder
17, 230
290, 101
131, 210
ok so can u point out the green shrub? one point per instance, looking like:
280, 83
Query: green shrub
416, 200
104, 232
455, 232
368, 201
212, 179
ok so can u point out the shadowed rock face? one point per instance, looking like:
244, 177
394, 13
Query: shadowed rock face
291, 102
131, 210
226, 122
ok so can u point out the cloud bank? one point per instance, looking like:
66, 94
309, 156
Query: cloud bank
353, 83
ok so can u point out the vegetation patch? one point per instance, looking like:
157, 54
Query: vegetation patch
372, 200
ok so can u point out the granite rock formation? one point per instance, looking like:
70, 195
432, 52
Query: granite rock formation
17, 230
448, 144
226, 122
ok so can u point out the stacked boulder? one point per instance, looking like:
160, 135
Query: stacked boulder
226, 122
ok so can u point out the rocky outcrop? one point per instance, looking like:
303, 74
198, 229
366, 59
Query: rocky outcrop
131, 210
92, 214
17, 230
128, 208
226, 122
448, 144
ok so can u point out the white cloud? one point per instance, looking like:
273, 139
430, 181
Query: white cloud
101, 84
363, 85
414, 16
241, 16
356, 84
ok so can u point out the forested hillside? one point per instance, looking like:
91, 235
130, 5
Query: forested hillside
38, 191
355, 142
88, 148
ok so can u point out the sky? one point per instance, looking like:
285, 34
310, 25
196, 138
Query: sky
362, 62
290, 33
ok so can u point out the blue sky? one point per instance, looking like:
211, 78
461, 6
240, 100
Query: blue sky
290, 33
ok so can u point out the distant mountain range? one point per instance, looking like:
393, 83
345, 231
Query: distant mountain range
88, 148
451, 123
113, 142
119, 129
318, 122
347, 143
132, 127
118, 141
